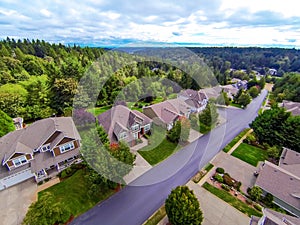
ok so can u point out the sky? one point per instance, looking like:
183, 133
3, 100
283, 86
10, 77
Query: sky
136, 22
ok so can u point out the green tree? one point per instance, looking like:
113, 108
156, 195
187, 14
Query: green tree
209, 116
183, 207
274, 152
223, 99
253, 92
6, 124
270, 127
291, 133
180, 131
244, 99
255, 193
47, 210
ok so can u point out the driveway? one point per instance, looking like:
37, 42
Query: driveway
194, 135
15, 202
141, 166
237, 169
215, 210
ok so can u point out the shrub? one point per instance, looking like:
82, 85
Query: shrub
225, 187
238, 185
220, 170
40, 182
218, 178
257, 207
47, 179
228, 180
249, 201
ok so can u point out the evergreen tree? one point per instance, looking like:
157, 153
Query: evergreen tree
6, 124
183, 207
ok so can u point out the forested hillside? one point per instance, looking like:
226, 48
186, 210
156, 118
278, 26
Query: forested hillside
39, 79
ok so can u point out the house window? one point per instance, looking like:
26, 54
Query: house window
46, 148
135, 135
135, 127
66, 147
20, 161
147, 127
123, 135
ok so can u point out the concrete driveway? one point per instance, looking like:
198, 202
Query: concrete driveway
141, 166
237, 169
215, 210
15, 202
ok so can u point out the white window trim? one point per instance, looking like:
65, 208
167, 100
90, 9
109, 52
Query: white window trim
47, 146
122, 135
147, 127
136, 125
62, 148
135, 135
20, 161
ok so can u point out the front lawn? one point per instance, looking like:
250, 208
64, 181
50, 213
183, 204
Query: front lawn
98, 110
159, 153
235, 140
233, 201
157, 217
72, 192
250, 154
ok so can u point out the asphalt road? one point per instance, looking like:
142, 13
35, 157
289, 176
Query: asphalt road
141, 198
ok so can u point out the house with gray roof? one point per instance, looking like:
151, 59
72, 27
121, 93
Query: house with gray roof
293, 107
197, 100
166, 113
123, 124
271, 217
40, 150
283, 184
212, 92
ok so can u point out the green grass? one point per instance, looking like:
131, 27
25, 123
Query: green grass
233, 201
235, 105
235, 140
250, 154
159, 153
208, 167
98, 110
157, 217
72, 192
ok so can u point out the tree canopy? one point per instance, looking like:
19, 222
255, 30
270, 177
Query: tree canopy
183, 207
6, 124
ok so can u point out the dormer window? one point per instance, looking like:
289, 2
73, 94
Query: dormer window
45, 148
66, 147
19, 161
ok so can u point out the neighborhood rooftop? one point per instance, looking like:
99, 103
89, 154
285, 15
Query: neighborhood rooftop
293, 107
280, 183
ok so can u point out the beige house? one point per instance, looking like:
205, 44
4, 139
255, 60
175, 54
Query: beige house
40, 150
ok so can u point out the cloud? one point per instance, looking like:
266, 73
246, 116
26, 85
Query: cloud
216, 22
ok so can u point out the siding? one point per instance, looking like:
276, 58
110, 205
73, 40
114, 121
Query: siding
56, 151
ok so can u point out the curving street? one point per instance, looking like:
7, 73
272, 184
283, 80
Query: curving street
142, 197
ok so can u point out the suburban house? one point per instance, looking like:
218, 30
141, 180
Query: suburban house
195, 99
230, 89
293, 107
166, 113
212, 92
123, 124
271, 217
272, 72
40, 150
240, 84
283, 181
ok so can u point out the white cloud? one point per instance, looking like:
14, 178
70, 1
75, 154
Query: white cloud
45, 12
217, 21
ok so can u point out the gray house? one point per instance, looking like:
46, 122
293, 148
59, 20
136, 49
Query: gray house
166, 113
123, 124
282, 181
196, 100
271, 217
40, 150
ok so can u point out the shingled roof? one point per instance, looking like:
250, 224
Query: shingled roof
35, 135
280, 183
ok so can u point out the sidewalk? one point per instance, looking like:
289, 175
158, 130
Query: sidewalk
239, 142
